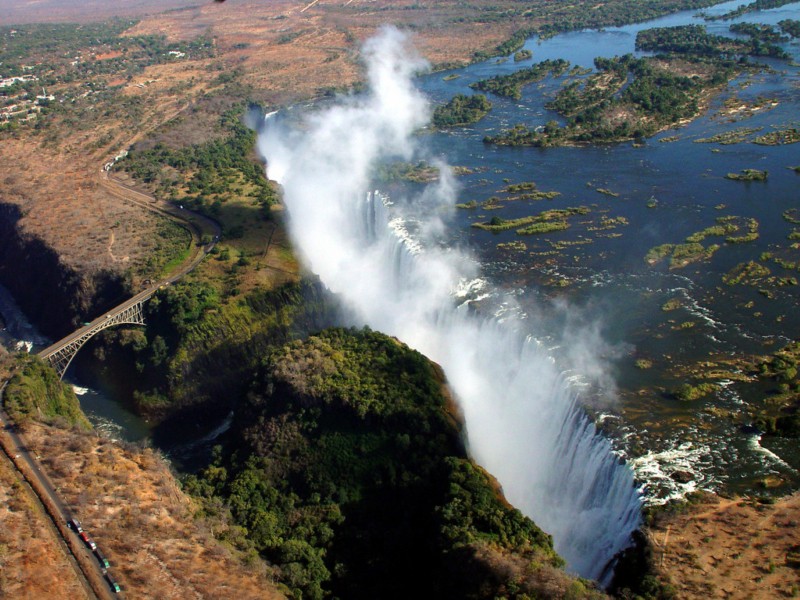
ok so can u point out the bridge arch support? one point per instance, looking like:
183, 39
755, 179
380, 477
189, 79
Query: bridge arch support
60, 354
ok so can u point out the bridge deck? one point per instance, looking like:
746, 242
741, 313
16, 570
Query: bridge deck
129, 312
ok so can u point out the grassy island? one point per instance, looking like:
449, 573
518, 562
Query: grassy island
790, 27
734, 136
695, 40
461, 110
743, 9
692, 250
545, 222
762, 33
36, 392
420, 172
780, 416
527, 190
522, 55
748, 175
511, 85
633, 98
789, 135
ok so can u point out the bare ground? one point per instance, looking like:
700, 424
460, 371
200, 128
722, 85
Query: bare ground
731, 548
60, 11
291, 50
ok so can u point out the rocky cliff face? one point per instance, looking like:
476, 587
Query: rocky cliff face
54, 297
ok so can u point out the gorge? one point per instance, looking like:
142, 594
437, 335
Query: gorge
615, 320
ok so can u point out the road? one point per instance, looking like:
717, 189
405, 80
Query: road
83, 561
197, 224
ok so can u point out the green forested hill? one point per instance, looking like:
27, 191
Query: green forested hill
346, 469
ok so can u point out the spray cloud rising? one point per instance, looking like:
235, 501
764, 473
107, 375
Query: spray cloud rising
523, 421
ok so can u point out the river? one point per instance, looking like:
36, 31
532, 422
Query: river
104, 411
575, 311
665, 191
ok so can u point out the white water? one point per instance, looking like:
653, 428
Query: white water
523, 420
18, 333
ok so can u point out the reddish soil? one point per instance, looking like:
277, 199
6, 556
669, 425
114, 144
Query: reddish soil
731, 548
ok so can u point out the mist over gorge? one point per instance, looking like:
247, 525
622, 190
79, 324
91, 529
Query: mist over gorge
384, 257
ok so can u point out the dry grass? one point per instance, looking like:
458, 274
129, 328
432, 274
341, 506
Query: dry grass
731, 548
133, 508
33, 563
284, 52
60, 11
286, 49
288, 53
87, 227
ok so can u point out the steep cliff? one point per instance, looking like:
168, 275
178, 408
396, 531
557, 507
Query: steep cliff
346, 469
55, 297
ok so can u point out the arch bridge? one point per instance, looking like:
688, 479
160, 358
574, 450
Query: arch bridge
60, 354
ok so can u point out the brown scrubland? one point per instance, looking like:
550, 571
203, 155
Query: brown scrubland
131, 505
284, 52
730, 548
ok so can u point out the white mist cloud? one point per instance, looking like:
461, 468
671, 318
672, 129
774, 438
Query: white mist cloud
521, 417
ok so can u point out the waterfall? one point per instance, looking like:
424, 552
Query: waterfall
523, 419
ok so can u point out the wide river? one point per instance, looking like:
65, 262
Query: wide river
663, 191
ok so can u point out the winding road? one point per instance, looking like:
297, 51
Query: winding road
199, 226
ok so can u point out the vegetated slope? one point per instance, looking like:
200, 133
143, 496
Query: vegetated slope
127, 500
36, 392
347, 470
132, 507
195, 357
